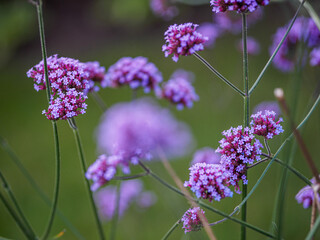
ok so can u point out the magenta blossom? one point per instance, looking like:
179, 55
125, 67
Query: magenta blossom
240, 6
96, 76
191, 220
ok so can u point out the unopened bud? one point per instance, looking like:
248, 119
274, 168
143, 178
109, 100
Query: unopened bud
278, 93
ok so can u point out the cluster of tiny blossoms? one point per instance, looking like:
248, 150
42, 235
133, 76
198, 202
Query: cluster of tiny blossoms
179, 91
240, 6
208, 181
183, 40
97, 74
238, 148
266, 125
191, 220
134, 72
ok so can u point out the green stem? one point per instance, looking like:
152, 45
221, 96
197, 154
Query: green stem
212, 69
246, 112
15, 217
277, 49
115, 218
175, 225
35, 186
57, 183
123, 178
312, 14
84, 169
99, 101
16, 205
314, 229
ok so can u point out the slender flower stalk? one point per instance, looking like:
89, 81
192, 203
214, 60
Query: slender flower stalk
175, 225
76, 133
15, 203
97, 98
115, 218
123, 178
212, 69
314, 229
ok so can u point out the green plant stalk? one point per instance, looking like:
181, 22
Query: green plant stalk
175, 225
84, 169
314, 229
277, 49
115, 218
312, 13
212, 69
15, 217
35, 186
246, 112
97, 98
16, 205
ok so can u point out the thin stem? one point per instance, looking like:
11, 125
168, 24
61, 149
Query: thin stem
277, 49
267, 146
246, 112
312, 13
15, 217
224, 219
6, 147
212, 69
313, 213
115, 218
314, 229
257, 163
16, 205
175, 225
87, 184
123, 178
97, 98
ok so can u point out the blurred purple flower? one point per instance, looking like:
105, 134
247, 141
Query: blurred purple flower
191, 220
306, 195
163, 9
183, 40
268, 105
135, 131
253, 46
240, 6
96, 75
178, 90
134, 72
210, 30
315, 57
206, 155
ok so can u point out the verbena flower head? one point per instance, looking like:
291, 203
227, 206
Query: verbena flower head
96, 74
135, 72
240, 6
208, 181
238, 148
183, 40
253, 46
265, 124
136, 130
103, 170
130, 192
206, 155
211, 31
163, 9
268, 105
179, 91
191, 220
306, 195
315, 57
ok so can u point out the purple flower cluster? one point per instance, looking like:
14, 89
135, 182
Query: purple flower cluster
178, 90
163, 9
315, 57
191, 220
253, 46
238, 148
96, 75
268, 105
103, 170
304, 31
208, 181
183, 40
130, 192
134, 72
306, 195
206, 155
211, 31
265, 124
136, 130
240, 6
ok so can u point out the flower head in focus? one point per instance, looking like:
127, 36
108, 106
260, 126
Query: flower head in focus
183, 40
206, 155
240, 6
191, 220
96, 74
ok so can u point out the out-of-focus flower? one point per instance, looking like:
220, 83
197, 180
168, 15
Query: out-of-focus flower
265, 124
163, 9
178, 90
206, 155
136, 130
238, 148
240, 6
130, 191
306, 195
96, 74
315, 57
268, 105
134, 72
210, 30
253, 46
208, 181
183, 40
191, 220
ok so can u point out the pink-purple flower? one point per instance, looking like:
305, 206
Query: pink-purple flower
253, 46
315, 57
179, 90
240, 6
208, 181
268, 105
191, 220
306, 195
211, 31
163, 9
238, 148
96, 75
135, 72
206, 155
183, 40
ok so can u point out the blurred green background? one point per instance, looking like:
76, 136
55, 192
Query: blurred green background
106, 31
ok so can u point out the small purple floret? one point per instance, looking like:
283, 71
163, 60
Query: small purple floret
315, 57
306, 195
240, 6
191, 220
96, 75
